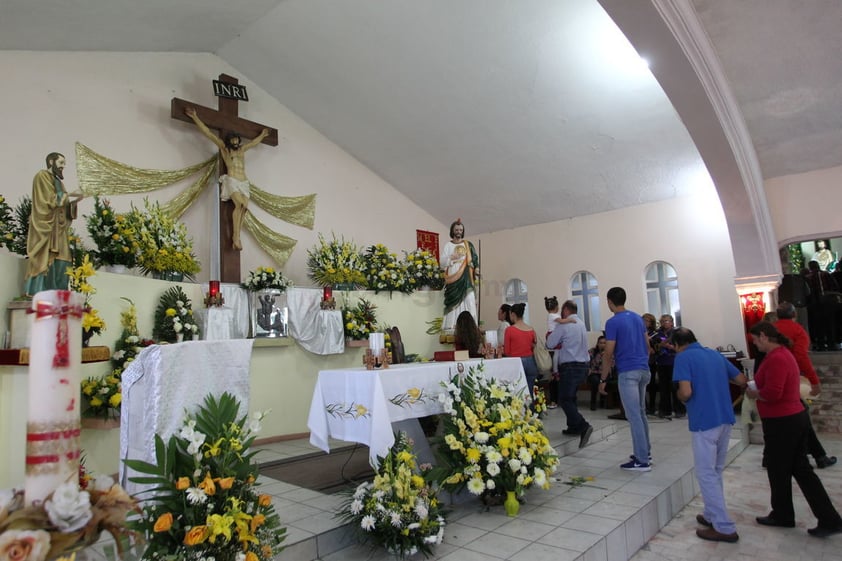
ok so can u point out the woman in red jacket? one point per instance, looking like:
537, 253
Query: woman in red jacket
519, 341
785, 427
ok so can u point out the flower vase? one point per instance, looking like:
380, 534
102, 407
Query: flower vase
268, 313
511, 504
179, 337
116, 269
86, 337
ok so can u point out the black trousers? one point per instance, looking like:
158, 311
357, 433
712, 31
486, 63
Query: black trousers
669, 403
786, 458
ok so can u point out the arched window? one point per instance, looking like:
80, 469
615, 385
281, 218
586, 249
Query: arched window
584, 291
516, 293
662, 290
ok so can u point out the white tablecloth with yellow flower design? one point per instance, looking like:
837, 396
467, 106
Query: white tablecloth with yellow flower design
359, 405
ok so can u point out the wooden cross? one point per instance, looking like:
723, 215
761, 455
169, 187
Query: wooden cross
226, 121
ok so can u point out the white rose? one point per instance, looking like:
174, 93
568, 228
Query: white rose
69, 509
103, 482
34, 544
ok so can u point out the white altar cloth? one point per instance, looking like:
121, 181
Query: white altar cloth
216, 323
164, 380
318, 331
359, 405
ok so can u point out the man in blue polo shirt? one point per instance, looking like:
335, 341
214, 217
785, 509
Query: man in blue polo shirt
703, 376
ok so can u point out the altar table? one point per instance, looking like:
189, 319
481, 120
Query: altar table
359, 405
165, 380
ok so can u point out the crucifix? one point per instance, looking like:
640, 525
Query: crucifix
230, 128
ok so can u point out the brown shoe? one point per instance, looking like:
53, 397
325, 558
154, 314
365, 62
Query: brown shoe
712, 535
703, 521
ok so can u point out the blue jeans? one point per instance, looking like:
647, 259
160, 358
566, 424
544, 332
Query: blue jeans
570, 378
632, 386
530, 369
709, 450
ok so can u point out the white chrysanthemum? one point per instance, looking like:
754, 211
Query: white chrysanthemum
540, 477
395, 519
481, 437
356, 506
367, 523
476, 486
118, 355
494, 456
520, 479
361, 490
525, 456
421, 510
514, 464
196, 496
493, 469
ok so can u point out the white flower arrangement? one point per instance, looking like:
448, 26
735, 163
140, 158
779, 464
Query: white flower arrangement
398, 510
266, 277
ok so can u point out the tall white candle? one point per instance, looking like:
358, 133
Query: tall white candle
491, 338
53, 426
376, 342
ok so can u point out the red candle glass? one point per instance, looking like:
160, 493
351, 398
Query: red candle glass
327, 293
213, 288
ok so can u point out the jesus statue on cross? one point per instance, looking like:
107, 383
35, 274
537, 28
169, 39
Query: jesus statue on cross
235, 184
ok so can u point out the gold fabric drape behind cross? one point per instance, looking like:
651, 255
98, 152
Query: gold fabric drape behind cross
99, 175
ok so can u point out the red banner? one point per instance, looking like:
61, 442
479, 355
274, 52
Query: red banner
429, 241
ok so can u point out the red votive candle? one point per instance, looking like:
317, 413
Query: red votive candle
213, 288
328, 293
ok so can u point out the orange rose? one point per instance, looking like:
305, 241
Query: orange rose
256, 522
196, 535
265, 500
208, 485
164, 522
225, 483
266, 551
251, 556
182, 483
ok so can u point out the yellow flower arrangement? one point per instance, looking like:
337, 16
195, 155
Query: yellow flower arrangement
205, 504
422, 269
336, 262
359, 321
14, 225
92, 323
492, 442
384, 271
398, 510
102, 396
163, 243
114, 235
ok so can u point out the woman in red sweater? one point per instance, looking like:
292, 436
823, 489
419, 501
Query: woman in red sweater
785, 427
519, 341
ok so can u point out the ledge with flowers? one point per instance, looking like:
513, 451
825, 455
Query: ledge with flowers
409, 313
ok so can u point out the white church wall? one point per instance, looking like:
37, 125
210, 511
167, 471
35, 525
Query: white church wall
805, 204
689, 233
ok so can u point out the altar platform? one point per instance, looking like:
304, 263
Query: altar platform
609, 518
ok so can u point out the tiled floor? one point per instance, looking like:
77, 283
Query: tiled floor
617, 516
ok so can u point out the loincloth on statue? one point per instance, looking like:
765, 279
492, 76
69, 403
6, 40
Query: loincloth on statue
231, 185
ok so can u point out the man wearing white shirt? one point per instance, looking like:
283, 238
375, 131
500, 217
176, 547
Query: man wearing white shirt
573, 360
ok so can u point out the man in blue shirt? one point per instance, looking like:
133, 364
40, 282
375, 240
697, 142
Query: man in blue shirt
573, 359
703, 376
627, 346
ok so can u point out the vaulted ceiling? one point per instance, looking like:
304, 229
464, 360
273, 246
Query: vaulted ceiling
509, 113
